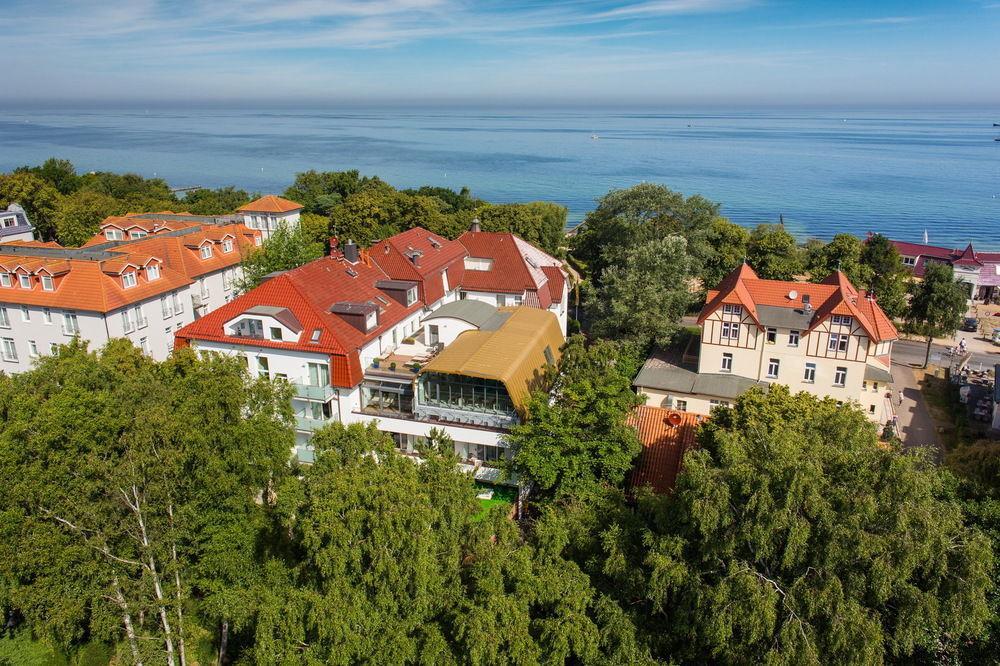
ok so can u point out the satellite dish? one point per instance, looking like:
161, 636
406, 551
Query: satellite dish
792, 295
674, 419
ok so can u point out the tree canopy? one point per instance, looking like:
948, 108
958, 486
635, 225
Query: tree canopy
633, 216
80, 214
886, 276
842, 253
284, 250
937, 303
577, 441
125, 481
644, 297
773, 253
791, 537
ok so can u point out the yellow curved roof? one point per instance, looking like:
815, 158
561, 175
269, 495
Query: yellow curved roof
513, 354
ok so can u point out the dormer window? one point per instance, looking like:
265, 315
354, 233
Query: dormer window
129, 279
48, 284
411, 296
371, 320
137, 233
206, 251
478, 264
5, 280
227, 245
114, 234
9, 222
25, 281
276, 333
152, 272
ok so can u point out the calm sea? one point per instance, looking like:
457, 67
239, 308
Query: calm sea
896, 172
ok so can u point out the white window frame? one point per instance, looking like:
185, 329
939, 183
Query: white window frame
730, 308
152, 272
793, 338
840, 376
33, 349
47, 316
727, 362
48, 284
129, 279
8, 350
24, 281
5, 280
114, 234
4, 318
25, 313
771, 335
128, 321
809, 376
71, 324
205, 251
227, 245
839, 342
773, 368
140, 317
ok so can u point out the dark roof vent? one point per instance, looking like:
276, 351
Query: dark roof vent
351, 252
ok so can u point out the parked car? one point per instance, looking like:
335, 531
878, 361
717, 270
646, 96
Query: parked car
970, 324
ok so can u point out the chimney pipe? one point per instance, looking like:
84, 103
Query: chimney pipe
334, 246
351, 252
475, 225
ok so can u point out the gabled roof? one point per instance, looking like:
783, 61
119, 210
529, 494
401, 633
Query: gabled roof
517, 267
418, 255
309, 292
88, 276
835, 295
666, 436
270, 204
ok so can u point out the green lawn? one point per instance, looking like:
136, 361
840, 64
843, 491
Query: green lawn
502, 496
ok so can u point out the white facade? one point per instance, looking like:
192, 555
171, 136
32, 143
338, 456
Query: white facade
499, 299
268, 223
30, 331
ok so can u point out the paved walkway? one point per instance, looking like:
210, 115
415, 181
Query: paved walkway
915, 423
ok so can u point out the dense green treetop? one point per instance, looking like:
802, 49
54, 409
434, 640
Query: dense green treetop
773, 253
886, 275
577, 441
39, 198
284, 250
641, 213
122, 476
937, 304
644, 297
221, 201
79, 215
791, 537
729, 242
842, 253
320, 191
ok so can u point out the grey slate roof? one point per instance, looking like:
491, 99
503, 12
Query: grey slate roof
874, 374
482, 315
21, 226
663, 372
795, 319
284, 315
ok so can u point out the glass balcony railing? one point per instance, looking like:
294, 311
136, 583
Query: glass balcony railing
321, 393
309, 424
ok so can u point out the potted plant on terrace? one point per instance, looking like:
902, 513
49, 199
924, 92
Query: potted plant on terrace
375, 362
392, 366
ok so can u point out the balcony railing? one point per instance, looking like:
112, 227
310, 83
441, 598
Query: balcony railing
309, 424
307, 392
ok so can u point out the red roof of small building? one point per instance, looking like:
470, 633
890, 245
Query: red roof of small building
270, 203
833, 296
666, 435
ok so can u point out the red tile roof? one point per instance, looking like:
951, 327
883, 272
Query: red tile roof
666, 436
517, 268
270, 204
94, 284
308, 292
420, 256
833, 296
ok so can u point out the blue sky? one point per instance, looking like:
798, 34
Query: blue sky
739, 52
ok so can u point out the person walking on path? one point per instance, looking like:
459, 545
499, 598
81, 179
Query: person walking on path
899, 398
